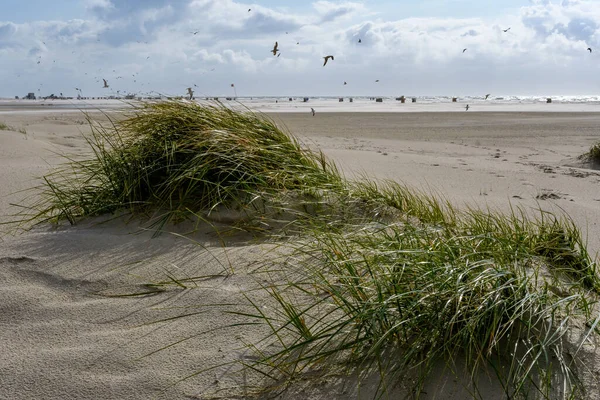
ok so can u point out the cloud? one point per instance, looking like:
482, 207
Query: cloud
545, 46
228, 19
99, 7
329, 11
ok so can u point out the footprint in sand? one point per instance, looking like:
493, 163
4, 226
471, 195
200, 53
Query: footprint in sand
549, 194
577, 174
17, 260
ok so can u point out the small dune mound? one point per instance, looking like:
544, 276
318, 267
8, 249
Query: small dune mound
170, 160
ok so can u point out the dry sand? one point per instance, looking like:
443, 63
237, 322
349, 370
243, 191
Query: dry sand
66, 332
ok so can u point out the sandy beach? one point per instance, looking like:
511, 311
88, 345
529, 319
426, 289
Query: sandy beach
69, 330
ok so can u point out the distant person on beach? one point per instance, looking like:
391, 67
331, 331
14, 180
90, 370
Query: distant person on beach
467, 107
312, 110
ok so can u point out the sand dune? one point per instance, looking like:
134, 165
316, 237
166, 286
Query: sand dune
71, 330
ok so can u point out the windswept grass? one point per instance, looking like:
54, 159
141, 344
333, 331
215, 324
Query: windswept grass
171, 160
386, 280
4, 127
594, 153
439, 285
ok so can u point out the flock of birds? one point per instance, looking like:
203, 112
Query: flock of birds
276, 51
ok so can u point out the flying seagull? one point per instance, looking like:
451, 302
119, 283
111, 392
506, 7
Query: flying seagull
312, 110
249, 9
278, 54
326, 58
105, 83
589, 49
506, 30
464, 50
190, 93
376, 80
359, 40
486, 96
195, 33
275, 49
345, 83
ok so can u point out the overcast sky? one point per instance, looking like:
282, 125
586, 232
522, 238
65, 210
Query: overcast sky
411, 47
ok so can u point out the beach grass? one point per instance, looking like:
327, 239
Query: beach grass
594, 153
5, 127
168, 161
396, 299
382, 278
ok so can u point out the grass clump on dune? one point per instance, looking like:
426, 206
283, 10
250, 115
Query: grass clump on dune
170, 160
594, 153
436, 286
4, 127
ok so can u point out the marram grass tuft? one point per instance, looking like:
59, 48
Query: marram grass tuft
168, 161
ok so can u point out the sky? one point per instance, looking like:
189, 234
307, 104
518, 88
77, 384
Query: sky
410, 47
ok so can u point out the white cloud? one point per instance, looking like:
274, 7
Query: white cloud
545, 49
329, 11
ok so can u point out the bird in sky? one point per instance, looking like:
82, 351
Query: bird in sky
486, 96
359, 40
589, 49
195, 33
506, 30
376, 80
278, 54
326, 58
249, 9
345, 83
312, 110
105, 83
275, 49
464, 50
